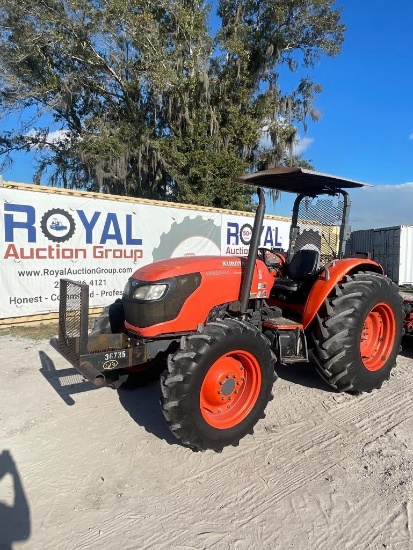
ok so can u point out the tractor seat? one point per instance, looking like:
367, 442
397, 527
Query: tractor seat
304, 264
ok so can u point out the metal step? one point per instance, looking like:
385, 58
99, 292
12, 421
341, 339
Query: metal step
288, 339
282, 323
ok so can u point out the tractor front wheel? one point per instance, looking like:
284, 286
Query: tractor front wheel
218, 384
358, 332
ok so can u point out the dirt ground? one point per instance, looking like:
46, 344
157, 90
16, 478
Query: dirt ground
85, 468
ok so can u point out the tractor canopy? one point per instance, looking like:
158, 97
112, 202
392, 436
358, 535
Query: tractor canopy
317, 223
299, 180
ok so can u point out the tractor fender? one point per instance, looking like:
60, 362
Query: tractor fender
329, 278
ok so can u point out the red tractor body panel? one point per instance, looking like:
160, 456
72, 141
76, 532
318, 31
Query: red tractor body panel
221, 283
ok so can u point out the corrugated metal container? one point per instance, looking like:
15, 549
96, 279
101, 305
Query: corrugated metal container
360, 241
390, 246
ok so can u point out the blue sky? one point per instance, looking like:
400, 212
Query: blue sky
366, 130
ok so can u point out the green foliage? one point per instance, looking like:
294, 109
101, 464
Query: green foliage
148, 102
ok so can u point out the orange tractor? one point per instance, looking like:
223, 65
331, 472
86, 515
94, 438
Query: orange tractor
214, 327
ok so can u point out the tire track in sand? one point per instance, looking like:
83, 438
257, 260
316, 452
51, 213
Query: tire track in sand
296, 457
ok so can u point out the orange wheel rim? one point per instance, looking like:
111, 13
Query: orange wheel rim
377, 338
230, 389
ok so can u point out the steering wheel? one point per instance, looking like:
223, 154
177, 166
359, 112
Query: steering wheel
273, 260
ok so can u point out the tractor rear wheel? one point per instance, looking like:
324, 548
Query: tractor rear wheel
218, 384
358, 332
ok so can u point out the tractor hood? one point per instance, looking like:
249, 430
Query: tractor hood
176, 295
188, 264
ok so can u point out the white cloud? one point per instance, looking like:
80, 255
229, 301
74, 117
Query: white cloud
57, 136
52, 138
411, 136
382, 206
302, 145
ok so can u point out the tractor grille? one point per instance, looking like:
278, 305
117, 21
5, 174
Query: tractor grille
319, 222
73, 319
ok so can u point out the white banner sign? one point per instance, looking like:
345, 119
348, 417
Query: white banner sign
48, 236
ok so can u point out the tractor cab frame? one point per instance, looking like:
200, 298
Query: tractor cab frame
318, 225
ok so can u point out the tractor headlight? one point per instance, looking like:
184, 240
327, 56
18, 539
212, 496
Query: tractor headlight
149, 303
150, 292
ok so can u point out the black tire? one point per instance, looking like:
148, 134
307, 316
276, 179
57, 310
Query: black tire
357, 333
111, 320
229, 346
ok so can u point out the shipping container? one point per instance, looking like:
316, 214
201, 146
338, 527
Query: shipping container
392, 247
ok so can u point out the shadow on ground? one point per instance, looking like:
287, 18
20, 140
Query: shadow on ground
65, 382
407, 347
302, 374
144, 408
15, 523
142, 404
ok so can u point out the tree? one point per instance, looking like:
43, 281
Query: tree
145, 100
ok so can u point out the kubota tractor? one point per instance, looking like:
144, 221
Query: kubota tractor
217, 325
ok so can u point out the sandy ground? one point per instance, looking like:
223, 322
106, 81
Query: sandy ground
83, 468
